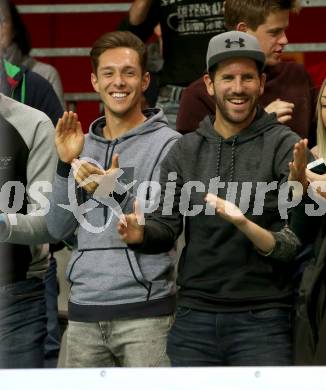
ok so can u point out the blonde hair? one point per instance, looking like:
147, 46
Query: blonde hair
321, 127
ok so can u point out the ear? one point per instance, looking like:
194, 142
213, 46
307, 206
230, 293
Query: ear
242, 26
146, 78
94, 82
262, 83
209, 84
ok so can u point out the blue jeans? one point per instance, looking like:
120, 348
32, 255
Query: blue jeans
22, 324
258, 337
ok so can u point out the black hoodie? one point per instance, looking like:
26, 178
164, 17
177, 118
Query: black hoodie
219, 269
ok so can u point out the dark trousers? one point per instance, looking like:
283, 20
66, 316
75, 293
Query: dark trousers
259, 337
22, 324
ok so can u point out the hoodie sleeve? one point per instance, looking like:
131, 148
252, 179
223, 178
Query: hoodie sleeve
164, 226
31, 228
61, 220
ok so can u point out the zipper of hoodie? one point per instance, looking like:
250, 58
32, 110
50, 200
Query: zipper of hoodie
107, 161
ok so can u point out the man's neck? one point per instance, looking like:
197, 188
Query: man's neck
117, 126
227, 129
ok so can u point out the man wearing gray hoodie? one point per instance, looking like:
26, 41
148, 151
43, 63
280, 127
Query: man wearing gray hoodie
121, 304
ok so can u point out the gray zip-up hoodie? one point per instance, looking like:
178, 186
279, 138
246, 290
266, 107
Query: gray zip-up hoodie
108, 280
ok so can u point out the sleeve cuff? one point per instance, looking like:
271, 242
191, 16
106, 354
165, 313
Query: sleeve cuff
286, 245
63, 169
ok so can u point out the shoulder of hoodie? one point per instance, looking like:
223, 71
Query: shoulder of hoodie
187, 143
25, 119
280, 133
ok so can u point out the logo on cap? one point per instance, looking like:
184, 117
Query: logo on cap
229, 43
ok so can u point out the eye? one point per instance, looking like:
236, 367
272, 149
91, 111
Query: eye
248, 77
227, 77
108, 74
276, 33
130, 73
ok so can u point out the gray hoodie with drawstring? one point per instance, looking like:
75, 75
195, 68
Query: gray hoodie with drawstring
109, 280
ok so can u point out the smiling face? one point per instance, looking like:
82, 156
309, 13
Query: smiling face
120, 82
236, 88
271, 35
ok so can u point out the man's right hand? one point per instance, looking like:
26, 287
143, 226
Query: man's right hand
131, 232
282, 109
69, 137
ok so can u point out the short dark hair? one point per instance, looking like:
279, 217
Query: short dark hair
115, 39
254, 12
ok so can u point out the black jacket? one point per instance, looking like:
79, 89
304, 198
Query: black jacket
219, 269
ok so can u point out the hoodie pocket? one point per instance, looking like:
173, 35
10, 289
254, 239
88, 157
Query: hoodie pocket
106, 277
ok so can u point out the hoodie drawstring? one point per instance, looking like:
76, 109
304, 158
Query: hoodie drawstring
218, 158
232, 159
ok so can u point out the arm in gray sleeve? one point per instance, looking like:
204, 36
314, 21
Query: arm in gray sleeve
61, 219
31, 228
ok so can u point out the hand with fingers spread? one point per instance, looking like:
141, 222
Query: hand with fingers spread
227, 210
69, 137
89, 176
299, 163
282, 109
129, 227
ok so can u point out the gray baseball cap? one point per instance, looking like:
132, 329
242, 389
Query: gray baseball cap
232, 44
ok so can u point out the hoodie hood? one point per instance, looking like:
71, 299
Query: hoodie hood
156, 120
261, 124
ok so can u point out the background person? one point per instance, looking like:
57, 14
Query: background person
289, 91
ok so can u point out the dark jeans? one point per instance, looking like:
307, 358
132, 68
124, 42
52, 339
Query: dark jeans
258, 337
52, 341
22, 324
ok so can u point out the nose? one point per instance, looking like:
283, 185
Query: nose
119, 80
237, 85
283, 39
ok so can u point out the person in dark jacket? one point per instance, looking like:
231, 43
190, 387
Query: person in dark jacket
234, 305
30, 88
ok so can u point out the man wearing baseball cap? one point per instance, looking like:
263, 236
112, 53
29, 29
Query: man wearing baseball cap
234, 303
